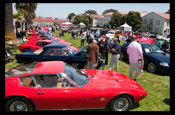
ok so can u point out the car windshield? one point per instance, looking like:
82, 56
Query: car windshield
151, 49
21, 69
78, 76
110, 32
38, 51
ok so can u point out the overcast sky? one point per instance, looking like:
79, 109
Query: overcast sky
62, 10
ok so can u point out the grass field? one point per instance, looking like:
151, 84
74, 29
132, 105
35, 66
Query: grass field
157, 86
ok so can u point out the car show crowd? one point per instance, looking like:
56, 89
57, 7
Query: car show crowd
101, 41
40, 48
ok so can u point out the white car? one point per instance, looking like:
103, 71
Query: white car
110, 34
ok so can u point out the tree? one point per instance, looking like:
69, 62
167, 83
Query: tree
116, 20
134, 19
9, 27
70, 16
83, 18
30, 11
109, 10
90, 12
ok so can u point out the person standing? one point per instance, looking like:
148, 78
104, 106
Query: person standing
83, 35
101, 45
106, 49
92, 54
24, 35
115, 50
18, 35
135, 54
159, 43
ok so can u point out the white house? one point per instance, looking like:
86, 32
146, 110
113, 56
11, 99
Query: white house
156, 22
102, 20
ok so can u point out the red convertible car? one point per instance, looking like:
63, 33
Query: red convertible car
145, 39
55, 85
31, 46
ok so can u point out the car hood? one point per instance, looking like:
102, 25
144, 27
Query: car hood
110, 79
76, 52
26, 53
161, 57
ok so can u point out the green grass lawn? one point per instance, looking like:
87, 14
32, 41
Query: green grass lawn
157, 86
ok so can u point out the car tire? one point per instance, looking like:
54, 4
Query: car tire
151, 67
19, 104
120, 103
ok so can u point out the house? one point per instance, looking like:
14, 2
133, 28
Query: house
46, 21
156, 22
101, 20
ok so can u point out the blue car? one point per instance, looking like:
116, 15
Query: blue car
58, 52
155, 60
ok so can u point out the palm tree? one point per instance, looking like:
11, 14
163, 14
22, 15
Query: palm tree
30, 11
9, 27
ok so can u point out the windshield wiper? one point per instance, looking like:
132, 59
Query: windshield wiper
92, 76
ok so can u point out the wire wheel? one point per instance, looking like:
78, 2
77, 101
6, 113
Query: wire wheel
152, 67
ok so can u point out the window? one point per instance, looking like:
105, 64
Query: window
53, 81
41, 43
27, 81
54, 52
157, 22
21, 69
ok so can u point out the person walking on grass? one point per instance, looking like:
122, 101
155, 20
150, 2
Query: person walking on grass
135, 54
115, 50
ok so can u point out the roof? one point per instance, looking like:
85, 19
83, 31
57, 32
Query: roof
163, 15
97, 16
47, 67
47, 19
110, 13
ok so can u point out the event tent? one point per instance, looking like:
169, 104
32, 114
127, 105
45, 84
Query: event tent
82, 24
126, 27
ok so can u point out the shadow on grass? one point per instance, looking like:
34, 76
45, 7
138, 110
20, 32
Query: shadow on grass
136, 105
158, 73
166, 101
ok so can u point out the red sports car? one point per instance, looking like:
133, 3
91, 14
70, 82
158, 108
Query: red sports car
55, 85
39, 44
145, 39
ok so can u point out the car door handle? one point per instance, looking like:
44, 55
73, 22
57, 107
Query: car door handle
40, 92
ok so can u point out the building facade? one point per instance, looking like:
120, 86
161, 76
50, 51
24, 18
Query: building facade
101, 20
46, 21
156, 22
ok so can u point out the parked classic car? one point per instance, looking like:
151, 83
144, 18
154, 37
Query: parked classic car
55, 85
59, 52
145, 39
155, 60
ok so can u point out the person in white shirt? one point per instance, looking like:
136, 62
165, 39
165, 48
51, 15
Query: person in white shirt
83, 36
135, 53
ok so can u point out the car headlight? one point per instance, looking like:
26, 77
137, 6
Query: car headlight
164, 64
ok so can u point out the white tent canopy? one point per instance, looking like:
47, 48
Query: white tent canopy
126, 27
67, 23
82, 24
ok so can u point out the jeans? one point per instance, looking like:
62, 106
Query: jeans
82, 42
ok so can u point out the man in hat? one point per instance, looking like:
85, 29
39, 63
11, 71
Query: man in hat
135, 53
